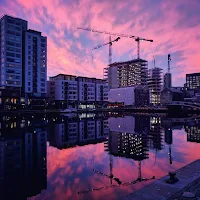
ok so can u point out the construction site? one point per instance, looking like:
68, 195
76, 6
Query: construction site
132, 72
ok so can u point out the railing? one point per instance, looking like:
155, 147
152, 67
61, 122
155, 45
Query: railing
183, 103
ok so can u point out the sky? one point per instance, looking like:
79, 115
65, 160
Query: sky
173, 25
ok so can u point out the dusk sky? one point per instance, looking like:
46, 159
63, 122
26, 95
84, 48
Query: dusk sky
173, 25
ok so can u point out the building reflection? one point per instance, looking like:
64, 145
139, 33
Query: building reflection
71, 131
193, 131
23, 170
155, 134
127, 139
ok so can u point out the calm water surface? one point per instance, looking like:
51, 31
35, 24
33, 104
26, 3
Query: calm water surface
57, 157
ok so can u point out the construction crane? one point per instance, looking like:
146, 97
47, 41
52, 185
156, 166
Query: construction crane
111, 177
137, 39
169, 60
120, 184
110, 47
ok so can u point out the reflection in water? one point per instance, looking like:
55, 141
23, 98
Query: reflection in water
69, 132
22, 159
88, 152
193, 131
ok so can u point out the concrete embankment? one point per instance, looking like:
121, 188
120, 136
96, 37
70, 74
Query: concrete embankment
160, 190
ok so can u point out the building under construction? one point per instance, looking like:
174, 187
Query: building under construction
155, 84
125, 74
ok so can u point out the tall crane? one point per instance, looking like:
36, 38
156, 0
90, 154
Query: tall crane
110, 47
169, 60
137, 39
120, 184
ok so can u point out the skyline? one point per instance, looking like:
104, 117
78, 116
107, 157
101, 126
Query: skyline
70, 49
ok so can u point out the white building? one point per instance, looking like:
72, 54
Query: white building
35, 64
11, 51
137, 95
69, 91
63, 89
86, 89
125, 95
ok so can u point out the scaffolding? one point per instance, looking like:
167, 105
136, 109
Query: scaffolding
155, 85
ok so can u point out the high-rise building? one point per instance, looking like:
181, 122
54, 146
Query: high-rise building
129, 73
11, 49
155, 84
23, 62
35, 64
193, 81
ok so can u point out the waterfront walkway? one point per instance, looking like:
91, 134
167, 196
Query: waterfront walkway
189, 181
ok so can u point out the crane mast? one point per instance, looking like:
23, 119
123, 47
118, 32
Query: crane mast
110, 51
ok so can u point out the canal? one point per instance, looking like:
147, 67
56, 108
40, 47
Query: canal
66, 156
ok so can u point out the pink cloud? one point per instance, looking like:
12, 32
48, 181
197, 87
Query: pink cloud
68, 52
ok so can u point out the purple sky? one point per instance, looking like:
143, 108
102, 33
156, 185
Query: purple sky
173, 25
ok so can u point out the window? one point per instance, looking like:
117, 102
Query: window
10, 54
10, 59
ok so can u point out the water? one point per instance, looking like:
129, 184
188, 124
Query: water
55, 157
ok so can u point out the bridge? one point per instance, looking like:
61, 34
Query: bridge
186, 104
183, 120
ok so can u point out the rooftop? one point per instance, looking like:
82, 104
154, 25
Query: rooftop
193, 74
5, 15
34, 32
128, 62
73, 76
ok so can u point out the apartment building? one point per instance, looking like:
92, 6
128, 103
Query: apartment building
62, 91
35, 65
11, 50
23, 63
67, 91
